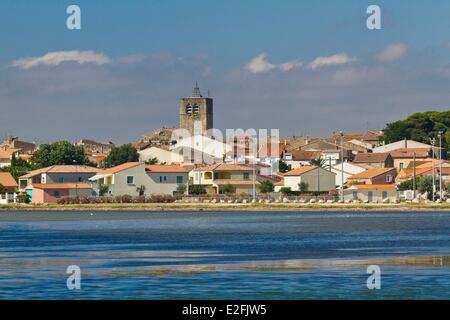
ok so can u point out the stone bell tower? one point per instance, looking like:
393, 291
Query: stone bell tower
196, 109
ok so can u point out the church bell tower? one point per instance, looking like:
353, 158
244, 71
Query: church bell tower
196, 111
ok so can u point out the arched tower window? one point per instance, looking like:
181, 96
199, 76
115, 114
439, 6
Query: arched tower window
189, 109
196, 109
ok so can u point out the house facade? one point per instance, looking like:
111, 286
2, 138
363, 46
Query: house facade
57, 174
372, 193
132, 178
378, 160
52, 192
215, 177
403, 157
316, 178
373, 176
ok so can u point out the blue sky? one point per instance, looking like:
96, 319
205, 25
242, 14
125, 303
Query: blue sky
255, 56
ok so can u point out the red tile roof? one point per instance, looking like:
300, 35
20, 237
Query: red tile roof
300, 171
7, 180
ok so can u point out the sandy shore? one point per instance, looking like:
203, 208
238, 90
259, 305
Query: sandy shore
402, 207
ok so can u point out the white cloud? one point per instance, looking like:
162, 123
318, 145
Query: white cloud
337, 59
288, 66
57, 57
260, 64
392, 52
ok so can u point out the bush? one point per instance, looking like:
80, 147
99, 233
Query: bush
155, 198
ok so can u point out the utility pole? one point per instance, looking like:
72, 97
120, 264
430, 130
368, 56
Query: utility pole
414, 176
433, 142
440, 164
342, 165
76, 177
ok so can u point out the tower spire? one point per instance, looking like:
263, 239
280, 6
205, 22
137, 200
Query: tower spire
196, 92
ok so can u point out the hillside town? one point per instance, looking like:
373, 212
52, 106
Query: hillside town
166, 166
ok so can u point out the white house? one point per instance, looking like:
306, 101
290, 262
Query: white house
349, 170
402, 144
203, 145
126, 179
163, 156
372, 193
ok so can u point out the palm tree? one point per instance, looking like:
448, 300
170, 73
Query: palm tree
318, 162
141, 190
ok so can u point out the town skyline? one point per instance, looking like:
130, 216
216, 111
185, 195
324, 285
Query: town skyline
60, 84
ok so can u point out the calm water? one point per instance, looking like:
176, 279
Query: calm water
223, 255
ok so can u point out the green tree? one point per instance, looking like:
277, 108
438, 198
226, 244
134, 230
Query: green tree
119, 155
181, 188
303, 187
266, 186
2, 189
408, 184
197, 189
102, 190
421, 126
426, 185
286, 190
227, 189
153, 160
140, 190
317, 162
283, 166
59, 153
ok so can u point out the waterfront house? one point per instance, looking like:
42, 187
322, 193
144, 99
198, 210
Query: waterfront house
39, 193
316, 179
373, 176
372, 193
240, 176
57, 174
379, 160
134, 178
167, 178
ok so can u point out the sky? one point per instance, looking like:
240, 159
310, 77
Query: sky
303, 67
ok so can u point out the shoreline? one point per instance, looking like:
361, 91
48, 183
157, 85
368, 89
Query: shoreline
208, 207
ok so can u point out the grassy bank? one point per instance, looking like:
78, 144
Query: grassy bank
230, 207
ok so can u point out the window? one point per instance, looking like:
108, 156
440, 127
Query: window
189, 109
355, 195
130, 180
80, 179
388, 178
61, 180
179, 179
402, 165
56, 194
160, 178
165, 178
246, 176
196, 109
384, 195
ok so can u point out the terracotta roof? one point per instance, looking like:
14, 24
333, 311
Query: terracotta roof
225, 167
409, 153
371, 173
7, 180
61, 169
166, 168
300, 171
302, 155
374, 187
62, 186
121, 167
370, 157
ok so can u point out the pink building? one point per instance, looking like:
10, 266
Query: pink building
51, 193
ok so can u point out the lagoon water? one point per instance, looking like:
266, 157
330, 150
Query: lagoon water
224, 255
